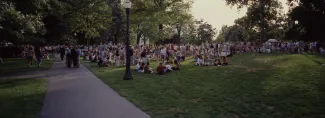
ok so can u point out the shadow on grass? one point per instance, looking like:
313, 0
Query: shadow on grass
28, 106
21, 98
309, 56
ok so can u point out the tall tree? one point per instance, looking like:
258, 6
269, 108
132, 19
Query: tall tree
20, 21
261, 4
116, 28
180, 17
222, 34
311, 16
205, 31
251, 22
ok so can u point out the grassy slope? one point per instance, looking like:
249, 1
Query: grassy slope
21, 98
254, 85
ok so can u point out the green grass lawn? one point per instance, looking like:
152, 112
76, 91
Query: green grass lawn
21, 98
253, 86
18, 65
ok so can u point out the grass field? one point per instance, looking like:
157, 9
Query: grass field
18, 65
21, 98
252, 86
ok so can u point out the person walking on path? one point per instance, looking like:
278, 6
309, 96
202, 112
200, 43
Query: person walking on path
62, 52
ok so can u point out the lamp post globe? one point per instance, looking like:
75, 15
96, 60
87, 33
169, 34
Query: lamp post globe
296, 22
128, 75
128, 4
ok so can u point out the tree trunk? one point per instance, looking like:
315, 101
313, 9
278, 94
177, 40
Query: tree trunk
160, 31
144, 40
179, 35
117, 18
262, 36
139, 37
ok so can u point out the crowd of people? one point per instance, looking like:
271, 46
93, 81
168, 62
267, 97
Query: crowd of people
169, 56
32, 53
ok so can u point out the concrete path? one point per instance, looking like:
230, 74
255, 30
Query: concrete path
78, 93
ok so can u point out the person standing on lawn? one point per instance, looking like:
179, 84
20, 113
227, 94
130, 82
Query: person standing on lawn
30, 55
62, 52
38, 55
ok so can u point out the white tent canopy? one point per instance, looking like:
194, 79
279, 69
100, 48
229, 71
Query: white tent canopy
272, 40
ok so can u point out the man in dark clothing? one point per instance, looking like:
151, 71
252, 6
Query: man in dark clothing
75, 57
62, 52
38, 55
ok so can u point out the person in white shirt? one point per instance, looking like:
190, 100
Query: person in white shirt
322, 50
192, 50
199, 61
137, 67
168, 67
163, 53
101, 49
310, 47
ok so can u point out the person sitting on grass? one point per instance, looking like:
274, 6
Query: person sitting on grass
86, 57
182, 57
100, 62
141, 69
198, 60
224, 61
322, 50
137, 67
217, 62
90, 56
168, 67
147, 69
94, 59
206, 60
161, 69
105, 62
177, 65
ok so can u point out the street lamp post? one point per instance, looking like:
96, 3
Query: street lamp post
128, 75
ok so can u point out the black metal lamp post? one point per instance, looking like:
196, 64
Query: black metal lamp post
128, 75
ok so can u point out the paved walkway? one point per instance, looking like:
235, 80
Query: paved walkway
78, 93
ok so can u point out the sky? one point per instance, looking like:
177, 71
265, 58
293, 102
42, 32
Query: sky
217, 13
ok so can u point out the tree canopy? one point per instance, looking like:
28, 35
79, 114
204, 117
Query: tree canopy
57, 21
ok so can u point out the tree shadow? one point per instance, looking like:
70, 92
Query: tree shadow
315, 60
21, 98
27, 106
